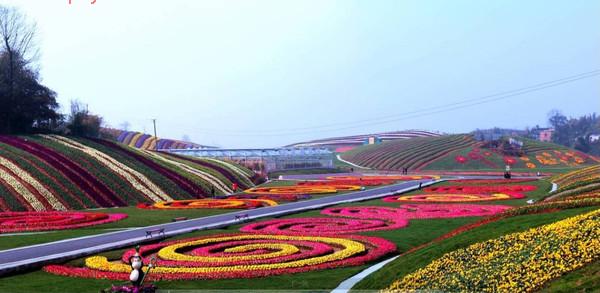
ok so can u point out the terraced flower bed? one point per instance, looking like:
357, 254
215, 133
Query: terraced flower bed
414, 153
49, 172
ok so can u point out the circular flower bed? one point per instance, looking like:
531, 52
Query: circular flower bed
237, 256
11, 222
207, 203
299, 189
449, 197
323, 226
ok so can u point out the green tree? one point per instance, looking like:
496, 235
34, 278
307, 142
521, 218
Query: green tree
82, 123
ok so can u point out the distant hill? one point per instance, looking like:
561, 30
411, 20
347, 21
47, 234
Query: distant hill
48, 172
345, 143
148, 142
462, 152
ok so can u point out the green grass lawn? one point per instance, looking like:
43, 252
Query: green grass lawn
586, 279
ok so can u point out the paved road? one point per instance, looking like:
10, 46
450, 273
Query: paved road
37, 255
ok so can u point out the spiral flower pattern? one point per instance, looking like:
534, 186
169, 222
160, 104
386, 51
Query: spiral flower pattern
237, 256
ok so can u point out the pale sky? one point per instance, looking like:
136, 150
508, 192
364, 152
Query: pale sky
265, 73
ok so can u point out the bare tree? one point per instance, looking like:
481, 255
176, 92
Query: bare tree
18, 40
26, 104
18, 34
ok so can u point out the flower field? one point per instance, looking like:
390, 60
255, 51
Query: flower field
580, 177
55, 173
11, 222
208, 203
519, 262
414, 153
148, 142
302, 189
465, 193
237, 256
368, 218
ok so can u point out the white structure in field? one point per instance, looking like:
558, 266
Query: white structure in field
267, 160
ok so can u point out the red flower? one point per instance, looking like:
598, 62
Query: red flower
460, 159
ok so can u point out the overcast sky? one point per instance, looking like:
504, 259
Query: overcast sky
266, 73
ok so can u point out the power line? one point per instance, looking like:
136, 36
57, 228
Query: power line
411, 114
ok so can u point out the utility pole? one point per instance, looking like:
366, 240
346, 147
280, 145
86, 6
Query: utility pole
155, 137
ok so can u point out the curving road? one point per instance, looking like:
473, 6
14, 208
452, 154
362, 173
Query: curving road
14, 260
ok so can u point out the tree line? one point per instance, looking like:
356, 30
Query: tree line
26, 105
578, 133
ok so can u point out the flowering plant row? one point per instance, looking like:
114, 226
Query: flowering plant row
136, 179
207, 203
97, 191
579, 177
237, 256
518, 262
368, 218
11, 222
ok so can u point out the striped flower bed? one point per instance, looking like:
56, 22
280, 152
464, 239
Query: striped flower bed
50, 172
